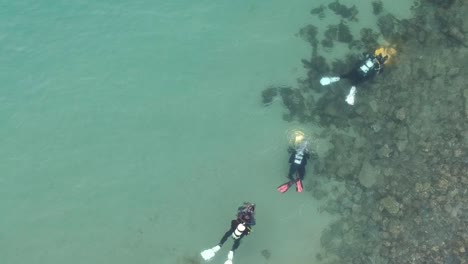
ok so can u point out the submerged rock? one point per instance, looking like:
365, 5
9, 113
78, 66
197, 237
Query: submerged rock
340, 32
400, 114
344, 11
377, 7
309, 34
266, 254
368, 175
320, 11
390, 205
269, 94
385, 151
387, 26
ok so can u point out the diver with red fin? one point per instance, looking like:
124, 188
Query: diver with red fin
298, 161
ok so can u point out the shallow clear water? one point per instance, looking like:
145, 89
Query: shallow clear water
131, 131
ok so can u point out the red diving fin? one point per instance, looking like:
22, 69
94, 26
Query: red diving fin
285, 186
299, 185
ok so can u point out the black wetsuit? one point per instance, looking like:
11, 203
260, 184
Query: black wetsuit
298, 164
234, 224
362, 72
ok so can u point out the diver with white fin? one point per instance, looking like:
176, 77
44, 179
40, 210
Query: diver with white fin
240, 227
369, 67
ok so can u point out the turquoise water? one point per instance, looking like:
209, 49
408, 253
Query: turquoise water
131, 131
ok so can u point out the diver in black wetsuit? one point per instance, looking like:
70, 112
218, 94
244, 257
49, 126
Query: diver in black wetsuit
366, 69
298, 161
240, 227
245, 216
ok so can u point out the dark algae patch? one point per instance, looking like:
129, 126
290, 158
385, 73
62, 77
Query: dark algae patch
345, 12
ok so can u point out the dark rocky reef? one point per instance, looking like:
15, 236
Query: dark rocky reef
309, 34
327, 43
346, 64
316, 66
269, 94
345, 12
406, 166
377, 7
369, 39
441, 3
387, 26
319, 11
296, 103
339, 32
401, 151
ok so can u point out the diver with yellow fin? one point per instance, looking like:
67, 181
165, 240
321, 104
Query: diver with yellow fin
240, 227
298, 160
367, 68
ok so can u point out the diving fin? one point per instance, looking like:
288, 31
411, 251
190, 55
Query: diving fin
284, 187
210, 253
328, 80
351, 95
230, 257
299, 185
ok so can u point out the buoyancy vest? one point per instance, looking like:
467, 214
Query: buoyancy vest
298, 157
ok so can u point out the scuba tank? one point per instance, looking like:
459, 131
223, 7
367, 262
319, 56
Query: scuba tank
239, 231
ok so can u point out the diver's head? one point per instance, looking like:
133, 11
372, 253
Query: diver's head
381, 59
249, 207
246, 218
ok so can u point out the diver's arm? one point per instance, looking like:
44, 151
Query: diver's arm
291, 158
253, 221
249, 226
380, 68
248, 229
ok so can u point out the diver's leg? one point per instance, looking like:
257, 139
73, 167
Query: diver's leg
301, 173
346, 75
354, 77
225, 237
292, 170
236, 243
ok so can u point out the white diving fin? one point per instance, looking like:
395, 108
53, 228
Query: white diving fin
351, 95
328, 80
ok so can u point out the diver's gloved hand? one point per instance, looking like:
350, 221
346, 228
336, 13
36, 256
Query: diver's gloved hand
210, 253
328, 80
230, 257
